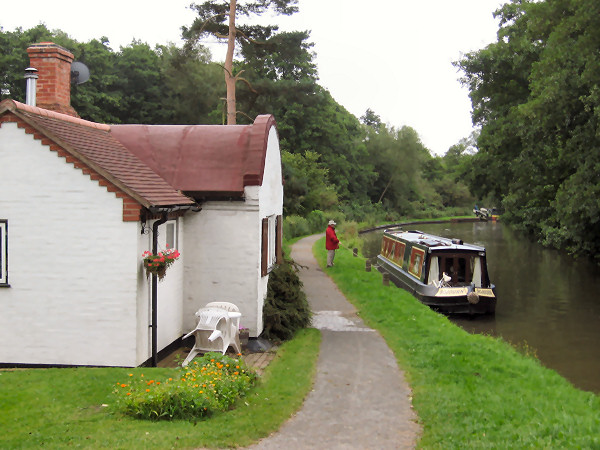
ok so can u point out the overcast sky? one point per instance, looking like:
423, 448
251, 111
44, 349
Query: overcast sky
393, 56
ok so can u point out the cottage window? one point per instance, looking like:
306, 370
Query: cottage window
3, 252
171, 235
272, 227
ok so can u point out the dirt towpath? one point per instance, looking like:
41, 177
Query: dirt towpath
360, 399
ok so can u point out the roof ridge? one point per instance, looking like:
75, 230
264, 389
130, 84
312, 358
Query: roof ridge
57, 115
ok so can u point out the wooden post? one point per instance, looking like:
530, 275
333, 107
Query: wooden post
355, 251
386, 279
368, 265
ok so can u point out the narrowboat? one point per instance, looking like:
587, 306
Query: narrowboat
446, 274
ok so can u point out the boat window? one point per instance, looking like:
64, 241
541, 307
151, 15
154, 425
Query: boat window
462, 270
417, 257
434, 271
448, 265
399, 252
386, 247
476, 271
458, 267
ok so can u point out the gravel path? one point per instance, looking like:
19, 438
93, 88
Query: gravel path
360, 398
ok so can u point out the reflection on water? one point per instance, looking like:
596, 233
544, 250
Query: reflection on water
546, 300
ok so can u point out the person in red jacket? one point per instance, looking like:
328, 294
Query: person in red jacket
331, 242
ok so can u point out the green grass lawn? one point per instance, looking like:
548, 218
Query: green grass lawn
58, 408
470, 391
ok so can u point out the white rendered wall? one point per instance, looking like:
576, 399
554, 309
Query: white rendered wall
271, 203
223, 248
271, 191
221, 261
72, 262
169, 294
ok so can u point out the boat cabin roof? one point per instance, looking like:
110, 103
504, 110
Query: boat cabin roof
431, 241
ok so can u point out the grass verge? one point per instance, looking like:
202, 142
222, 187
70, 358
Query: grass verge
470, 391
57, 408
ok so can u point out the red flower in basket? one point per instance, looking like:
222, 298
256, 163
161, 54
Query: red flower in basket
159, 263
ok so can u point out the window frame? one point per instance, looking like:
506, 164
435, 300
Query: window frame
416, 262
271, 245
4, 253
171, 234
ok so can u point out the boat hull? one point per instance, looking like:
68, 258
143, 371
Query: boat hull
450, 300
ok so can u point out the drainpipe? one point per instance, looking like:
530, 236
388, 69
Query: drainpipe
155, 226
163, 212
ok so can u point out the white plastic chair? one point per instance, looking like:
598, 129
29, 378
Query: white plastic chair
211, 333
217, 329
235, 316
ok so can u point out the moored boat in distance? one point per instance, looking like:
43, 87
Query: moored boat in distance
446, 274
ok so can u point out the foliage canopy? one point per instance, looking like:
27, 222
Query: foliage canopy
536, 95
332, 161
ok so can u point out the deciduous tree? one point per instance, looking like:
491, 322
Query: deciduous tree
535, 92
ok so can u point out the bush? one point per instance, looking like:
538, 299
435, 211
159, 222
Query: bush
317, 220
286, 309
294, 226
211, 383
347, 232
364, 212
337, 216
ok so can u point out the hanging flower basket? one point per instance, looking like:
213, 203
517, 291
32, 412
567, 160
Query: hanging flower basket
159, 263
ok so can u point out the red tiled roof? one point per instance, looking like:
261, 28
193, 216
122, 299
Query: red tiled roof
96, 147
202, 160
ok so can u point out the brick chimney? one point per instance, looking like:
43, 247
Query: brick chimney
53, 63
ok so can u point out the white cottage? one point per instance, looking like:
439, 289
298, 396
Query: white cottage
81, 201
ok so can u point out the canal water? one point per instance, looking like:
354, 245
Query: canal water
548, 303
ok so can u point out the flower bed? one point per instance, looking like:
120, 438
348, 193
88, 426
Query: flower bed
211, 383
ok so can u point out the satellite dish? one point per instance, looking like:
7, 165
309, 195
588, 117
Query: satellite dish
79, 73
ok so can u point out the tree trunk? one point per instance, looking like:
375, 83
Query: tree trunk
229, 78
386, 188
